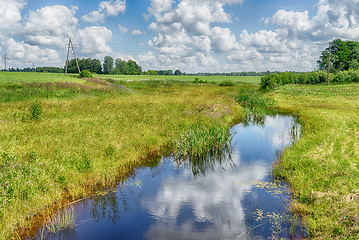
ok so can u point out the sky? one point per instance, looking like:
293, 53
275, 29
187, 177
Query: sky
189, 35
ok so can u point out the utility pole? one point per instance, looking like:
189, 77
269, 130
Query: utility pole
5, 62
330, 44
67, 60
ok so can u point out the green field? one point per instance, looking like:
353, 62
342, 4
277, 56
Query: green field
216, 79
26, 77
63, 141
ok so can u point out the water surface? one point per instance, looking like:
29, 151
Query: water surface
231, 197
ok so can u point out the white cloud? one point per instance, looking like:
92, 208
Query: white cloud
93, 40
137, 32
184, 35
105, 8
23, 54
50, 26
123, 29
10, 20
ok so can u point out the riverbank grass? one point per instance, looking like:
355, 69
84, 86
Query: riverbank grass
323, 166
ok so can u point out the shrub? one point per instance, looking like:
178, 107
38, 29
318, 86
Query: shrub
353, 76
226, 83
270, 81
340, 77
86, 74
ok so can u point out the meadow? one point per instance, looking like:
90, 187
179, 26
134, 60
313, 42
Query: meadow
64, 138
209, 79
64, 141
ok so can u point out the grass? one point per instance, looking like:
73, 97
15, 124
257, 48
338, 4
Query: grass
27, 77
322, 167
90, 136
62, 221
215, 79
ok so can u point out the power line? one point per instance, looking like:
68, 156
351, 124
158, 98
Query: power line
67, 59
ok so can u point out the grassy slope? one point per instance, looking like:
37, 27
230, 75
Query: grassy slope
90, 136
322, 167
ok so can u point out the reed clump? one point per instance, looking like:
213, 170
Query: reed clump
202, 138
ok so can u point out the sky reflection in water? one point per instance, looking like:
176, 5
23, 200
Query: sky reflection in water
234, 199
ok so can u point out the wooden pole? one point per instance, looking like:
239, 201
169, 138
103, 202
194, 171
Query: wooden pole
67, 59
73, 50
329, 63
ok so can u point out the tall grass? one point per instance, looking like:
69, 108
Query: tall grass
203, 146
201, 139
256, 105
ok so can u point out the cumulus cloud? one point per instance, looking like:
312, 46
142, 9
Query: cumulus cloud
105, 8
44, 34
23, 54
186, 28
50, 26
10, 20
94, 40
184, 35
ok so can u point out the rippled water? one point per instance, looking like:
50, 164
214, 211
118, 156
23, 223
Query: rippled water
232, 197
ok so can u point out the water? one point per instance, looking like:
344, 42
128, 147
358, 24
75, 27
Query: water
234, 198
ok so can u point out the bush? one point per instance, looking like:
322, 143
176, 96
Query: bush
270, 81
86, 74
226, 83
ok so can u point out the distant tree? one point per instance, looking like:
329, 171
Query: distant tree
343, 54
96, 66
133, 68
151, 72
72, 66
121, 67
108, 65
177, 73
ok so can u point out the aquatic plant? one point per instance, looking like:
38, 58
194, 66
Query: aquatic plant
63, 221
203, 146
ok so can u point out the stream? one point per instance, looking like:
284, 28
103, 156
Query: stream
233, 196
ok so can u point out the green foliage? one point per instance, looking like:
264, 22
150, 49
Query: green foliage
36, 111
226, 83
177, 73
107, 65
126, 68
317, 77
86, 74
199, 81
343, 56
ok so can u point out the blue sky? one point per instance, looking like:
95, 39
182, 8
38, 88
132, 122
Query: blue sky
190, 35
